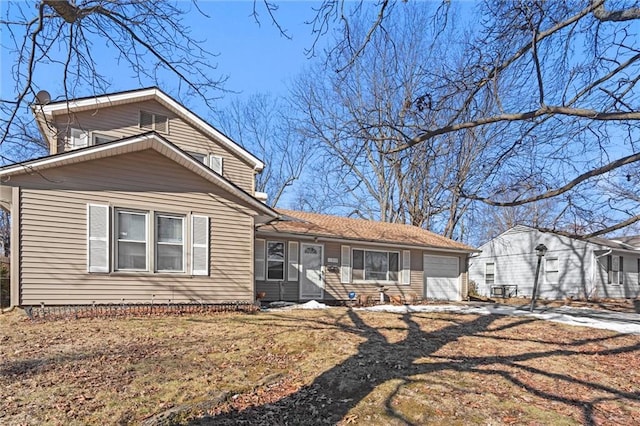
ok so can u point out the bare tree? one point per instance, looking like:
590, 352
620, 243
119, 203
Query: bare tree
63, 45
359, 115
266, 126
555, 83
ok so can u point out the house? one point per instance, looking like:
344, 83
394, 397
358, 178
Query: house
142, 201
571, 267
315, 256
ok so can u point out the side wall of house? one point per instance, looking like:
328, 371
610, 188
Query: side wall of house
123, 121
515, 260
630, 285
335, 290
53, 233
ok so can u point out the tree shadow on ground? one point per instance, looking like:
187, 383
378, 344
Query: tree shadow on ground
336, 391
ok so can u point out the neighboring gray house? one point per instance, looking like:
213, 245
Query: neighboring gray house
572, 267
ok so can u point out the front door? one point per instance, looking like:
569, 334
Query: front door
312, 279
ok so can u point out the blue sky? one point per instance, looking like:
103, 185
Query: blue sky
255, 57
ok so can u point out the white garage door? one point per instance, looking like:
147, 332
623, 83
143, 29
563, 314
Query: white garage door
441, 277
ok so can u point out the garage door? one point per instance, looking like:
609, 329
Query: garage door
441, 277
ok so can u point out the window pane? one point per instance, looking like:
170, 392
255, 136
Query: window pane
169, 229
275, 270
169, 257
394, 266
376, 265
131, 226
200, 157
358, 265
275, 251
132, 255
552, 264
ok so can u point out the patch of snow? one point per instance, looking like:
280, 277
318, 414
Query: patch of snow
312, 304
615, 321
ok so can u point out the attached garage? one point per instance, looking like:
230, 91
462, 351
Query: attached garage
442, 277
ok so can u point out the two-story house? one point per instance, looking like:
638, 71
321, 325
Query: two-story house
140, 200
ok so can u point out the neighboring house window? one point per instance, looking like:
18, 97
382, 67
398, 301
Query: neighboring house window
275, 260
551, 270
615, 267
152, 121
370, 265
132, 240
169, 243
214, 162
78, 138
489, 273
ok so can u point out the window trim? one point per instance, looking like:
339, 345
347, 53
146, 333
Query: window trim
117, 239
157, 242
547, 270
267, 260
95, 135
364, 269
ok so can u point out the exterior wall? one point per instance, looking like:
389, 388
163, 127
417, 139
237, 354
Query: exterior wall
123, 121
630, 287
515, 264
335, 290
53, 233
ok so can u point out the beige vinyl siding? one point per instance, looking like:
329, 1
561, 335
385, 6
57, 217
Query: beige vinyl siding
53, 233
122, 121
336, 290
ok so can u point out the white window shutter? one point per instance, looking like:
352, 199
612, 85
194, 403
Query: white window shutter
97, 238
199, 245
215, 163
345, 270
406, 267
292, 272
258, 266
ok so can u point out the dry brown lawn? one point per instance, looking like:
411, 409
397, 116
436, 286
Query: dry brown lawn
314, 367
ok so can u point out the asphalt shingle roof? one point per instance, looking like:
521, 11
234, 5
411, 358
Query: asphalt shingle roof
304, 223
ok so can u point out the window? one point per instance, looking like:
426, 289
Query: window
98, 139
275, 260
638, 269
615, 267
214, 162
140, 247
370, 265
551, 270
78, 138
169, 243
152, 121
132, 239
489, 273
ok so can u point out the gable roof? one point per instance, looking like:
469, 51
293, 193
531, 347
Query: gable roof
148, 140
619, 243
139, 95
337, 227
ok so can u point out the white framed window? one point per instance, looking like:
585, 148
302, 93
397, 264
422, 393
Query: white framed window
99, 139
132, 240
78, 138
169, 239
615, 268
489, 273
551, 270
153, 121
275, 260
374, 265
214, 162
